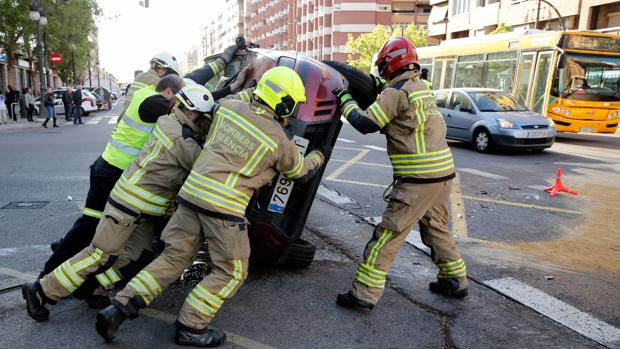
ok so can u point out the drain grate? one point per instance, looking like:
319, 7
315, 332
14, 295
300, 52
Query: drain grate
25, 205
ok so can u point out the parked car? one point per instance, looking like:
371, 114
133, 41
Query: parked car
88, 104
491, 118
98, 100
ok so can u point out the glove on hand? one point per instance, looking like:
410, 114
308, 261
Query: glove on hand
343, 96
377, 83
228, 53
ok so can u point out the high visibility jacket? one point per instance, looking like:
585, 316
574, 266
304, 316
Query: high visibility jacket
130, 134
245, 148
155, 177
415, 130
147, 79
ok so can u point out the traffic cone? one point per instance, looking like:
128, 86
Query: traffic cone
558, 186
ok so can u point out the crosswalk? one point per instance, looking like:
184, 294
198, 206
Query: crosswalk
99, 120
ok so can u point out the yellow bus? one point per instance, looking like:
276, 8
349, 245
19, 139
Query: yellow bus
571, 77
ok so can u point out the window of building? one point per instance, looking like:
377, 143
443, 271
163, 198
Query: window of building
460, 6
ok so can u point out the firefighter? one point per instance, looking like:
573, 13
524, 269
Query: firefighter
245, 148
423, 169
138, 199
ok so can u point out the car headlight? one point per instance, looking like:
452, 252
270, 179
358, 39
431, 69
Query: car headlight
503, 123
613, 114
551, 123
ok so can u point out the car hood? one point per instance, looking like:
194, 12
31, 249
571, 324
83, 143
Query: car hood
521, 118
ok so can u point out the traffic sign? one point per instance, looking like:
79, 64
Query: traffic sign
55, 58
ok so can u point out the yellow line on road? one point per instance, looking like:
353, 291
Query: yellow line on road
457, 206
356, 182
152, 313
348, 164
347, 148
519, 204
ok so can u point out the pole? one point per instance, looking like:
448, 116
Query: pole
42, 109
73, 63
537, 14
46, 56
90, 79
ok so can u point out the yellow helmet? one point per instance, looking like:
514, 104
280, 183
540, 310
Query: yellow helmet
281, 89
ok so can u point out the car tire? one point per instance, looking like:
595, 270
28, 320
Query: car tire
361, 85
300, 255
85, 113
483, 141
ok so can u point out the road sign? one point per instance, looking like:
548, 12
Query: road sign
55, 58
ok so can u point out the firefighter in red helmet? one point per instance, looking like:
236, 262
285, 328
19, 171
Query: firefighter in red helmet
423, 169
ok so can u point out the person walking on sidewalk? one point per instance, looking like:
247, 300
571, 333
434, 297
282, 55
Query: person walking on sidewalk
67, 99
29, 104
48, 101
12, 96
77, 105
3, 109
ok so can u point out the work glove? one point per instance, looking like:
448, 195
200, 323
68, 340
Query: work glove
228, 53
343, 96
377, 83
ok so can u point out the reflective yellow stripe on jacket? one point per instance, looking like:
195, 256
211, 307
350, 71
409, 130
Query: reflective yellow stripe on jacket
139, 198
216, 193
424, 163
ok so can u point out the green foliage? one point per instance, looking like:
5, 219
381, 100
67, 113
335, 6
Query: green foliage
363, 47
69, 21
501, 28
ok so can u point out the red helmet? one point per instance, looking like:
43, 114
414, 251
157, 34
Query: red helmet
395, 54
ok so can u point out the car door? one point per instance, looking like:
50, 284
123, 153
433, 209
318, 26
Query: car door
458, 119
58, 106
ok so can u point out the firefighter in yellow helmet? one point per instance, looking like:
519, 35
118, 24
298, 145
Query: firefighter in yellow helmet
139, 199
423, 167
245, 148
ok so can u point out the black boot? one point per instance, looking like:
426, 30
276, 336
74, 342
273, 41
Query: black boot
55, 123
208, 337
45, 123
35, 301
348, 300
109, 320
448, 287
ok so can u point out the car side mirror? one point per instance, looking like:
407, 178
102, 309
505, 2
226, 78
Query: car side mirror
466, 110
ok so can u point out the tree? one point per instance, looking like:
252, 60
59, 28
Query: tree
501, 28
361, 49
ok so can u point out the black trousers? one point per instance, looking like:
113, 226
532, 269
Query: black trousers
103, 176
68, 111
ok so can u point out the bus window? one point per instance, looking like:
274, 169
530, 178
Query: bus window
523, 81
447, 79
437, 73
500, 70
428, 64
540, 81
469, 71
590, 78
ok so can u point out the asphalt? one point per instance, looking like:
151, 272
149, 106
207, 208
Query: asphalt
295, 308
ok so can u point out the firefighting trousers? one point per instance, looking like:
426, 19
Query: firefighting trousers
103, 176
121, 239
229, 248
410, 204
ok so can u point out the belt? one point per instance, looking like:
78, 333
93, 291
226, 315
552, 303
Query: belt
398, 180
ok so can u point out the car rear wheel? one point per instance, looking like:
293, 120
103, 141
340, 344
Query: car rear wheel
301, 254
361, 85
482, 141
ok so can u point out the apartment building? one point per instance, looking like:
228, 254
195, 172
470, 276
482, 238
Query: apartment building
450, 19
224, 27
319, 28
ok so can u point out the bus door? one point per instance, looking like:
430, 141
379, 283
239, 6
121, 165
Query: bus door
540, 87
524, 77
443, 72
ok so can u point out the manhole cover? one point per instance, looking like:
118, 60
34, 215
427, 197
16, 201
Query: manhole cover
25, 204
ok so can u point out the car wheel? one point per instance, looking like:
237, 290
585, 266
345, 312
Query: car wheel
85, 113
361, 85
300, 255
483, 141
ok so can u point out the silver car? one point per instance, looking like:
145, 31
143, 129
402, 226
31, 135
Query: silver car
492, 118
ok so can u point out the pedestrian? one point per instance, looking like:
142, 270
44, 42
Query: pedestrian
212, 206
77, 100
12, 99
67, 100
3, 109
29, 104
424, 78
138, 200
49, 101
423, 169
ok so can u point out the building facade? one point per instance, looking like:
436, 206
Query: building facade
319, 28
224, 27
450, 19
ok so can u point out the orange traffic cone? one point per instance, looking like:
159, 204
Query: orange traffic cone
558, 186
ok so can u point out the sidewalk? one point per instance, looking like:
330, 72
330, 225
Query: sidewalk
23, 124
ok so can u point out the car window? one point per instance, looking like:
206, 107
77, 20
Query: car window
441, 98
459, 100
496, 101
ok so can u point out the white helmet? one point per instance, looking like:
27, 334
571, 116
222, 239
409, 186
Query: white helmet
166, 60
196, 97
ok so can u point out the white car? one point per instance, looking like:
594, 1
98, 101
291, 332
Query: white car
88, 102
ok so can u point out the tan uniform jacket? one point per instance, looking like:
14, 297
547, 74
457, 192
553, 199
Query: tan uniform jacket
415, 130
245, 148
155, 177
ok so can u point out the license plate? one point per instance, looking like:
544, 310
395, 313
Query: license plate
587, 130
537, 134
284, 186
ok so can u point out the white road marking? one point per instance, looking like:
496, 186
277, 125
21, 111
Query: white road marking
344, 140
9, 251
344, 120
481, 173
537, 187
334, 196
112, 120
92, 122
374, 147
553, 308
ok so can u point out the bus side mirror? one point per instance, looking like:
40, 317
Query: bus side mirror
562, 61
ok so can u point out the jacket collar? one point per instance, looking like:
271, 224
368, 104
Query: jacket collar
408, 75
184, 119
262, 110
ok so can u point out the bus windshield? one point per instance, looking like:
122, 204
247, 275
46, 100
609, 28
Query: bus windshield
496, 101
589, 78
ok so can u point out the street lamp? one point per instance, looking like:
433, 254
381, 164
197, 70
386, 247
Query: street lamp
72, 46
560, 19
36, 15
